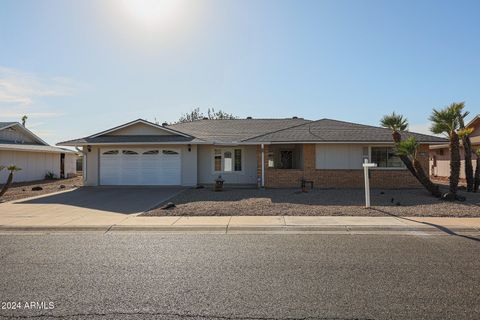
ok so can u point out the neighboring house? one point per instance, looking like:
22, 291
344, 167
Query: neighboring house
263, 152
440, 154
21, 147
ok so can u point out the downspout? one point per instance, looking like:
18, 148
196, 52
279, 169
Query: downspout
263, 166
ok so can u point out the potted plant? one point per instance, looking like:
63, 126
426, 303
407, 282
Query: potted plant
219, 183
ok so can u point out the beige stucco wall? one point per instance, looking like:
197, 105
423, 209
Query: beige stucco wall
207, 175
139, 129
34, 165
70, 164
188, 158
442, 169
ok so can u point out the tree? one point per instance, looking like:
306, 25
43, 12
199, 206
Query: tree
7, 184
197, 114
476, 180
446, 121
464, 134
409, 148
24, 120
397, 123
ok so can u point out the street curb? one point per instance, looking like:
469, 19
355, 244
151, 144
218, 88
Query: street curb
223, 229
54, 228
186, 228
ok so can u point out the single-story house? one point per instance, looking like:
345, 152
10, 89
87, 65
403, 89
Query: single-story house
263, 152
440, 154
22, 148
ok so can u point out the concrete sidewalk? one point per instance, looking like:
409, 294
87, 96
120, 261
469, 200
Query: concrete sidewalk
82, 211
56, 221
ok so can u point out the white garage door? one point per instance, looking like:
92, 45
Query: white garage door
135, 166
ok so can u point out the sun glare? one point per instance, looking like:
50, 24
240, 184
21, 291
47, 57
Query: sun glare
153, 13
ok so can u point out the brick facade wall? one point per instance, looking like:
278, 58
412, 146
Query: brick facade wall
283, 178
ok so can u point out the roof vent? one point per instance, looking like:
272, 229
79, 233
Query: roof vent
294, 117
249, 118
164, 124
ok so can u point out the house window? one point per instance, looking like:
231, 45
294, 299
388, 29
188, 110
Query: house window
227, 160
386, 157
129, 152
238, 159
218, 160
169, 152
286, 159
151, 152
111, 152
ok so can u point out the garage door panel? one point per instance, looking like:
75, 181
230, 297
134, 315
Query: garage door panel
136, 166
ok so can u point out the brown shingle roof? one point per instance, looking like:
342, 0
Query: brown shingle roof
328, 130
234, 130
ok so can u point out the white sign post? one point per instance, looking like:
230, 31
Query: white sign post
367, 165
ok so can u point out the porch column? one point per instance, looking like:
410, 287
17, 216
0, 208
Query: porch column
263, 166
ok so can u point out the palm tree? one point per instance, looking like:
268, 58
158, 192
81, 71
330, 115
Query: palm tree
7, 184
397, 123
464, 134
446, 121
476, 181
409, 148
24, 120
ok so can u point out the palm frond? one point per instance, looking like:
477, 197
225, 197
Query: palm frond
408, 147
13, 168
448, 119
465, 132
395, 122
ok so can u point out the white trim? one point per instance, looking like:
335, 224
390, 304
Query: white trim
227, 144
345, 142
35, 150
139, 121
127, 143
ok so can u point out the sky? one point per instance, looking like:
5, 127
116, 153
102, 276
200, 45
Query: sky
79, 67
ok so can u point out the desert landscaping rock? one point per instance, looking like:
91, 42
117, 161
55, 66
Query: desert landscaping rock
169, 205
317, 202
23, 190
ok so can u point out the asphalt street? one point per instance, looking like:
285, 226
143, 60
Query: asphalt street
158, 276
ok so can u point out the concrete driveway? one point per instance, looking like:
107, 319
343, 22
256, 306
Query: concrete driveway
84, 206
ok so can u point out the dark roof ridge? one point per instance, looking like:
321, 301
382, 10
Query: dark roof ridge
239, 119
295, 126
341, 121
377, 127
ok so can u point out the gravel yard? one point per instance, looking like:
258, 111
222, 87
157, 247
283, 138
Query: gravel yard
319, 202
23, 190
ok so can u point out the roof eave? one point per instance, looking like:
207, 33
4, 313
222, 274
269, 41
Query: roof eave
16, 124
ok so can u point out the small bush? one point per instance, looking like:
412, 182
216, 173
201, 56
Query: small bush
50, 176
